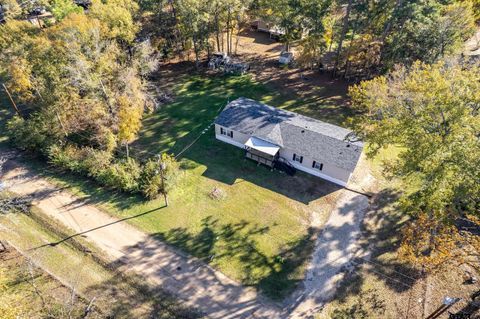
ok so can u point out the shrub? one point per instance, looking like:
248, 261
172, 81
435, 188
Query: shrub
151, 182
32, 134
123, 175
85, 161
68, 158
95, 161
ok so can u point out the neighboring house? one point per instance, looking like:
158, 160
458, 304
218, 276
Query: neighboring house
269, 134
274, 31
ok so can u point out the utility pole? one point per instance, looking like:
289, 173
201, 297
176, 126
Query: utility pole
11, 100
163, 166
446, 304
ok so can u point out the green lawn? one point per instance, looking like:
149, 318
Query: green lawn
259, 233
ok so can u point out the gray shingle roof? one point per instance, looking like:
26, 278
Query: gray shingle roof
308, 137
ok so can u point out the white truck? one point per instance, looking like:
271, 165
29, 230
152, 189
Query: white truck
285, 58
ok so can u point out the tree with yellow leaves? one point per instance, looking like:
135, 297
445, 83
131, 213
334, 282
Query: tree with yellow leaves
129, 120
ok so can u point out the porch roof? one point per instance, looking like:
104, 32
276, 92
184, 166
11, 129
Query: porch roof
262, 146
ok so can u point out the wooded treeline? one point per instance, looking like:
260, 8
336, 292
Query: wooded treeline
353, 39
81, 86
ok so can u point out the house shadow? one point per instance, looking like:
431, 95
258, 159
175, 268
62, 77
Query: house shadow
227, 164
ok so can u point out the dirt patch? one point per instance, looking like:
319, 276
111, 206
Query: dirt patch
304, 91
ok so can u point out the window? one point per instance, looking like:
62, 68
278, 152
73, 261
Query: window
317, 165
297, 158
226, 132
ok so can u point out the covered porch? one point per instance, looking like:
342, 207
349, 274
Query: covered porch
261, 151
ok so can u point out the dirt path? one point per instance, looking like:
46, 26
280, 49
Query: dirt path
336, 246
186, 277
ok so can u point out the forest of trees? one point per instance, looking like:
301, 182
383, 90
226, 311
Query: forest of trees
83, 87
83, 83
360, 38
430, 112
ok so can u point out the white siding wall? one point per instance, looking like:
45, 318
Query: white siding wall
329, 171
238, 139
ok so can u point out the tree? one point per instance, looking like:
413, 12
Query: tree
118, 16
84, 87
426, 31
431, 113
62, 8
129, 120
159, 176
286, 15
448, 245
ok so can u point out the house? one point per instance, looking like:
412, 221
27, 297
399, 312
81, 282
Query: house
269, 134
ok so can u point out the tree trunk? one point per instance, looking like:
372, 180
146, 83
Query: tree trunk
347, 64
228, 32
238, 38
196, 50
222, 39
342, 36
127, 150
217, 31
175, 22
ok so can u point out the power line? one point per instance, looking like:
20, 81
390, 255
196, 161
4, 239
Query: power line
378, 264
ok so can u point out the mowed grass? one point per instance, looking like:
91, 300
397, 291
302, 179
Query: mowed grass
258, 230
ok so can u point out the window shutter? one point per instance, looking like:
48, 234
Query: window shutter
221, 130
321, 166
231, 134
294, 155
301, 159
313, 164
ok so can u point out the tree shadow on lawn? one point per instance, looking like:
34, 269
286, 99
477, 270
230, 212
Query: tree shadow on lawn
216, 242
381, 237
